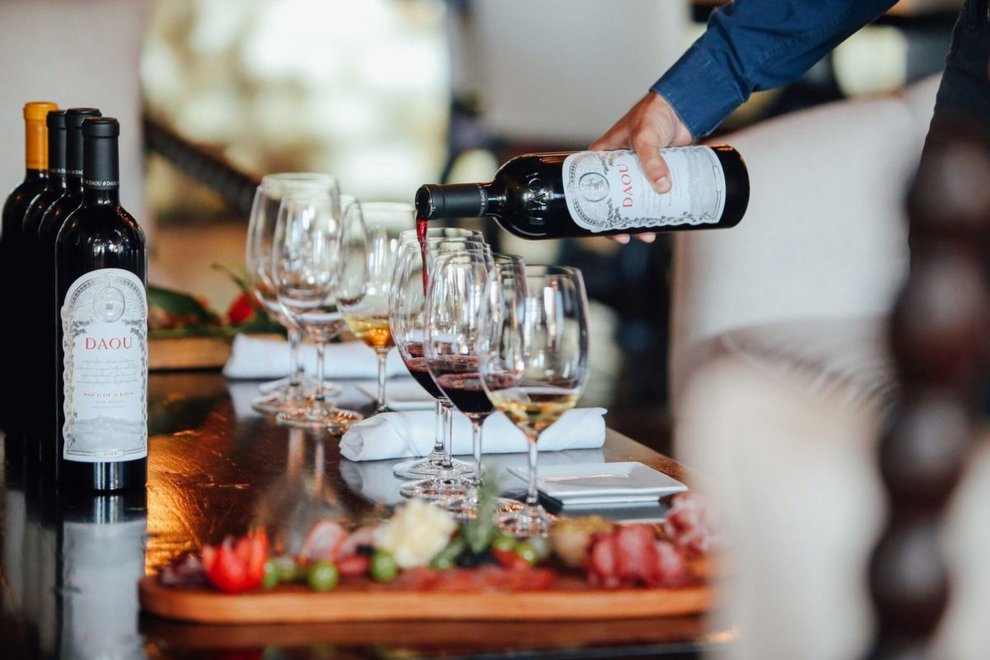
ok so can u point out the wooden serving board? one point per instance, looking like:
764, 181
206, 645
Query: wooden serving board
570, 600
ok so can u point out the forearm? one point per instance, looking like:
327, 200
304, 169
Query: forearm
753, 45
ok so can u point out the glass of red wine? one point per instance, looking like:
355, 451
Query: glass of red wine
455, 300
410, 293
408, 320
533, 361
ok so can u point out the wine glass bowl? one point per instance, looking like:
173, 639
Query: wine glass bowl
533, 362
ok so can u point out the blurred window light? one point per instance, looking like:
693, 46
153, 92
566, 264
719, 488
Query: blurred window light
872, 61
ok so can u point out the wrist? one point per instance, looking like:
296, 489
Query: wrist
680, 133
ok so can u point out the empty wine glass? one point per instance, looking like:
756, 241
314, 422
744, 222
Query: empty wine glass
533, 361
455, 303
407, 316
305, 269
367, 261
410, 341
290, 392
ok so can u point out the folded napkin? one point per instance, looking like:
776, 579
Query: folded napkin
263, 357
410, 434
375, 481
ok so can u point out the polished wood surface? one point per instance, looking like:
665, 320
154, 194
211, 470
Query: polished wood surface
216, 467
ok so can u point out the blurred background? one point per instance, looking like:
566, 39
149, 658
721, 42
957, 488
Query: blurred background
391, 94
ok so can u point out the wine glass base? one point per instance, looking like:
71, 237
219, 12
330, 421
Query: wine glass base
334, 420
525, 521
441, 491
424, 468
466, 508
287, 401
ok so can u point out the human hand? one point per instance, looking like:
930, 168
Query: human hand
649, 125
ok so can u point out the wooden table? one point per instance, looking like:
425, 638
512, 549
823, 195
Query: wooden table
213, 468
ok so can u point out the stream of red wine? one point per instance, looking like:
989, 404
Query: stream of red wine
422, 224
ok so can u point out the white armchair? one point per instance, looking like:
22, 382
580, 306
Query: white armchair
780, 380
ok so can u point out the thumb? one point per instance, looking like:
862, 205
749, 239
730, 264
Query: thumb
654, 166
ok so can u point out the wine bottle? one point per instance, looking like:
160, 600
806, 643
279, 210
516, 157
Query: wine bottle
48, 312
599, 193
37, 266
55, 183
16, 204
101, 284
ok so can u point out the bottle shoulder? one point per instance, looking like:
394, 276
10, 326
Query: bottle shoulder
94, 223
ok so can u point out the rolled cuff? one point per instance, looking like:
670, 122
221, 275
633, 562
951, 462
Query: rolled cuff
700, 91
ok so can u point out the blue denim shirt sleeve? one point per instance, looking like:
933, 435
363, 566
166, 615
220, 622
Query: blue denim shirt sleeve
753, 45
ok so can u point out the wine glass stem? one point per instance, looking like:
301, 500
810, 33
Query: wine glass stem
448, 436
295, 338
532, 496
382, 363
319, 396
438, 445
476, 423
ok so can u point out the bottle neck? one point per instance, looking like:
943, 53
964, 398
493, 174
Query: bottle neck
459, 200
56, 157
35, 145
74, 160
101, 173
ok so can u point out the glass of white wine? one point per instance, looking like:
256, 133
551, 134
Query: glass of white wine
367, 260
533, 362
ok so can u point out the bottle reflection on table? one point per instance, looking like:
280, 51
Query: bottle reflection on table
73, 565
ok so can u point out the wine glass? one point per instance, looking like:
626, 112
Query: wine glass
367, 261
533, 361
409, 342
305, 272
407, 317
290, 392
454, 307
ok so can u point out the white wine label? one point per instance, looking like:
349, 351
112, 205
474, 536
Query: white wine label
606, 190
105, 339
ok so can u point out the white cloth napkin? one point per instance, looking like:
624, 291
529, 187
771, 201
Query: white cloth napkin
264, 357
411, 434
375, 481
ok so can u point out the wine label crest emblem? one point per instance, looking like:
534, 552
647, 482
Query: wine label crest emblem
108, 304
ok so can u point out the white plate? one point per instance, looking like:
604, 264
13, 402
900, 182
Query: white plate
400, 394
602, 483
